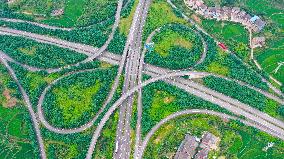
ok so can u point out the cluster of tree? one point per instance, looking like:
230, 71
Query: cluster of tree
40, 8
178, 56
239, 71
234, 90
26, 80
5, 11
33, 139
37, 54
281, 111
94, 12
117, 44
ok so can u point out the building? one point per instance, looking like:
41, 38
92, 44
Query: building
57, 12
209, 141
187, 149
10, 1
259, 24
234, 14
258, 42
254, 18
202, 154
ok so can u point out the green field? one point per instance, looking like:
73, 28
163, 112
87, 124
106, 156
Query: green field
237, 140
160, 14
269, 60
76, 12
232, 34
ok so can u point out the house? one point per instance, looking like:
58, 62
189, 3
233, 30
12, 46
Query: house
234, 15
10, 1
187, 148
202, 9
227, 13
57, 12
254, 18
259, 24
202, 154
209, 141
190, 3
247, 22
222, 46
212, 12
258, 42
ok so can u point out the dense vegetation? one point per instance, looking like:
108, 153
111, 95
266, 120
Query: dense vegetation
75, 99
38, 54
175, 47
237, 140
234, 90
95, 35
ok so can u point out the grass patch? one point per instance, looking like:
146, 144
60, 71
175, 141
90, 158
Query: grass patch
169, 40
217, 68
160, 13
75, 100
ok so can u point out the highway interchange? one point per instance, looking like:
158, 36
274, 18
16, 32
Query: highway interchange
132, 61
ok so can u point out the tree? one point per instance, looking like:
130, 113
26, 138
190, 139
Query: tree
281, 110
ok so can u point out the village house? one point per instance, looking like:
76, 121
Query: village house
258, 42
10, 1
259, 25
202, 154
187, 148
209, 141
234, 14
57, 12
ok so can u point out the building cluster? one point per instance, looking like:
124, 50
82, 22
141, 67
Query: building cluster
192, 147
233, 14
